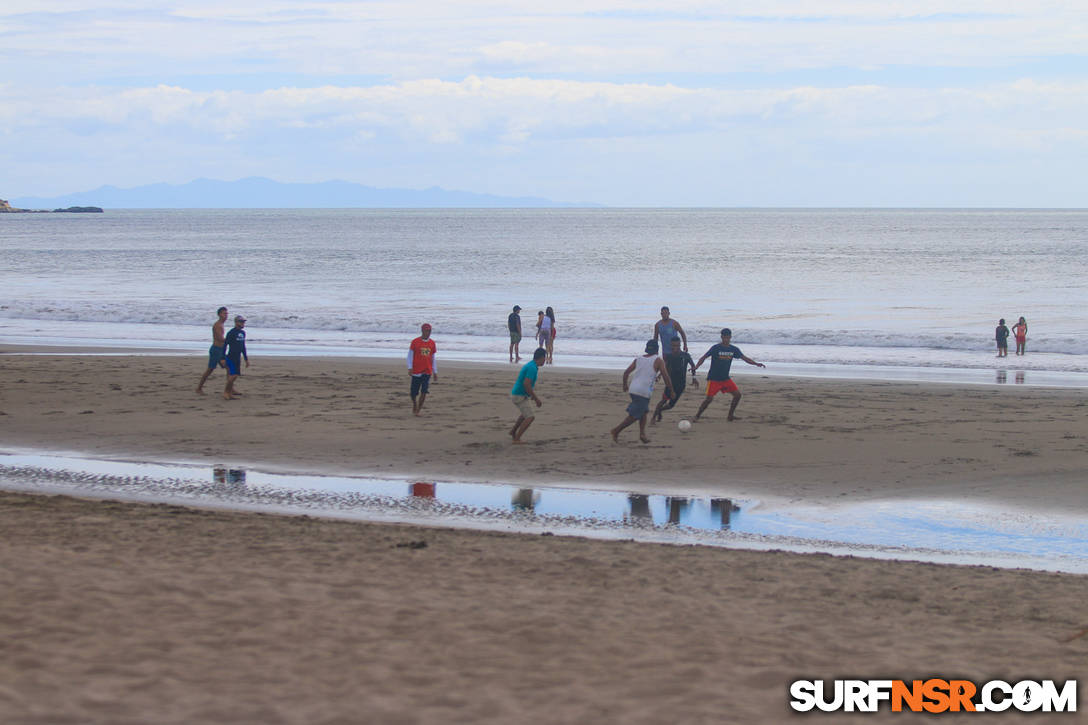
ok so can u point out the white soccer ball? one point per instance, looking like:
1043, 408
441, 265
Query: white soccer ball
684, 425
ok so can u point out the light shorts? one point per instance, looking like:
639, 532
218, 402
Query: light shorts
713, 387
524, 404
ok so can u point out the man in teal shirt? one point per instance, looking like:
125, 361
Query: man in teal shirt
523, 391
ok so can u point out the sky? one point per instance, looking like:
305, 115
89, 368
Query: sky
623, 103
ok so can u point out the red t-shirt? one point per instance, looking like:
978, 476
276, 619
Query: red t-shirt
423, 356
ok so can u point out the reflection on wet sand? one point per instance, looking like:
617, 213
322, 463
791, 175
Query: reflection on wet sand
423, 489
935, 530
723, 509
222, 474
1003, 377
524, 499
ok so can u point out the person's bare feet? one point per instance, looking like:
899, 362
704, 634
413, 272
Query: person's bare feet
615, 436
200, 391
228, 396
644, 439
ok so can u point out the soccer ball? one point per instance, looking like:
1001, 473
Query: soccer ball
684, 425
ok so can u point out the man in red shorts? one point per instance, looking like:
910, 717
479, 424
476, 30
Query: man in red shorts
717, 380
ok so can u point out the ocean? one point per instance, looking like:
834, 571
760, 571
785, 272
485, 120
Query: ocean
846, 293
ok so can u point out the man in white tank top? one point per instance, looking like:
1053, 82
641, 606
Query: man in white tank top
638, 380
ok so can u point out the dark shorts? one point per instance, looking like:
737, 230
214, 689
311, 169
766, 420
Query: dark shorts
215, 354
515, 337
670, 400
421, 384
234, 366
639, 406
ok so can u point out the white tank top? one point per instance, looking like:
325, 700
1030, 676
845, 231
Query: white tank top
642, 380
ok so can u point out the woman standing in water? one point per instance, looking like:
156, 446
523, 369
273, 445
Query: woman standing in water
1020, 331
547, 332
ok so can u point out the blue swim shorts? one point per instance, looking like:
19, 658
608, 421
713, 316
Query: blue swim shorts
234, 367
215, 354
639, 406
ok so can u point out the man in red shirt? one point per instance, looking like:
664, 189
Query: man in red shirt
422, 367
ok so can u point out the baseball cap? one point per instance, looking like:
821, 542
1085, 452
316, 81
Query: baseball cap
517, 308
425, 326
727, 331
239, 318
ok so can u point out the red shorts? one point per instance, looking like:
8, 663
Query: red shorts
713, 387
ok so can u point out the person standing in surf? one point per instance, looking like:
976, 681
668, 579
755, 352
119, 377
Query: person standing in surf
1002, 335
1020, 331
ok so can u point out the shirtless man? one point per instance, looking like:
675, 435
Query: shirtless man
215, 352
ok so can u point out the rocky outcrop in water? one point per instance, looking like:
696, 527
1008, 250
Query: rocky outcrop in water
6, 208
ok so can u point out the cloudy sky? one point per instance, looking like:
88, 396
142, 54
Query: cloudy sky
625, 102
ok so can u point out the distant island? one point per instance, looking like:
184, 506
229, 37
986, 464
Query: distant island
261, 193
6, 208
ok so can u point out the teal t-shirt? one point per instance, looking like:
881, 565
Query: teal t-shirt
528, 370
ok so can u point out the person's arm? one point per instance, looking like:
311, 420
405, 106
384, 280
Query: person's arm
244, 353
691, 364
656, 331
700, 363
659, 365
410, 359
683, 335
527, 383
434, 363
627, 374
750, 361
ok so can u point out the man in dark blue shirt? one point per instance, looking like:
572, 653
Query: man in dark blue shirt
717, 380
235, 350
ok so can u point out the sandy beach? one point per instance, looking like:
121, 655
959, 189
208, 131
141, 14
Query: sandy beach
128, 613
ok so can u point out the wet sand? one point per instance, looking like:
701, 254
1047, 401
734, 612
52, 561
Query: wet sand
128, 613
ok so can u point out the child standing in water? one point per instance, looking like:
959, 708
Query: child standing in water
1002, 334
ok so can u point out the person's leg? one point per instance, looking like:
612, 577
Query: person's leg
517, 424
616, 431
733, 405
228, 391
660, 407
642, 429
522, 428
203, 379
706, 402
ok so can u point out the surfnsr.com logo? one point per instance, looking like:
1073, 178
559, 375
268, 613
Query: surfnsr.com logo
933, 696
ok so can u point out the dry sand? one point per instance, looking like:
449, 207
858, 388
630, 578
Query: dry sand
126, 613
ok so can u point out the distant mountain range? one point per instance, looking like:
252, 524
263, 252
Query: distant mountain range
260, 193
